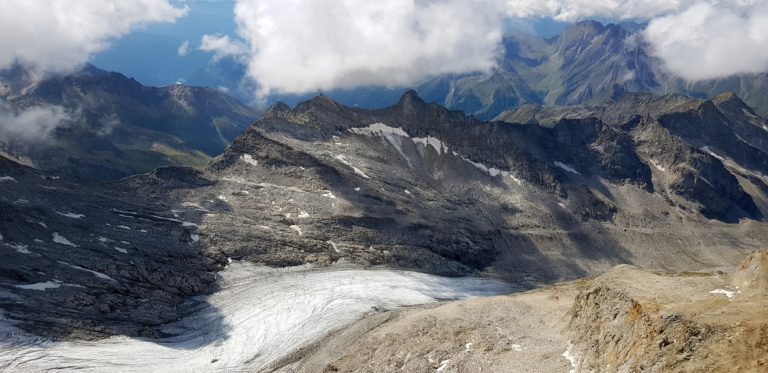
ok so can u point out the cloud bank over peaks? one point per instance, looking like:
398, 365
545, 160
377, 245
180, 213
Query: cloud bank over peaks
297, 46
577, 10
60, 35
712, 41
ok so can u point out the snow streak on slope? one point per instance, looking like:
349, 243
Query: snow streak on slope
257, 317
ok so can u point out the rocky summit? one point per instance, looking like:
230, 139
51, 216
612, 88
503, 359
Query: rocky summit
550, 194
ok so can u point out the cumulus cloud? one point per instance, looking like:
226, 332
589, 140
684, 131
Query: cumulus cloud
575, 10
183, 48
222, 46
712, 41
295, 46
32, 124
60, 35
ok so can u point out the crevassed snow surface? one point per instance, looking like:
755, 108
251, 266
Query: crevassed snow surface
258, 317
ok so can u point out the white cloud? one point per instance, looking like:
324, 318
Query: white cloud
296, 46
695, 39
60, 35
709, 42
31, 124
222, 46
184, 48
575, 10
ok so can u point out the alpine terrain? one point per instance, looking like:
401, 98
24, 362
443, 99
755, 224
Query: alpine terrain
429, 186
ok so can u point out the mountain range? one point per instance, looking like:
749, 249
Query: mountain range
550, 195
108, 126
586, 63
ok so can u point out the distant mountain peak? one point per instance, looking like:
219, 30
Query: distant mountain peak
410, 101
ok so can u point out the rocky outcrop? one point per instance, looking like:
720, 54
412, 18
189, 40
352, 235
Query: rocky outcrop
86, 260
695, 149
629, 321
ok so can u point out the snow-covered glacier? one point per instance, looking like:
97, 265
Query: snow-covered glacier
256, 317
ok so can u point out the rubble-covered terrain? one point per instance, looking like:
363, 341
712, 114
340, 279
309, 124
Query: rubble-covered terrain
627, 320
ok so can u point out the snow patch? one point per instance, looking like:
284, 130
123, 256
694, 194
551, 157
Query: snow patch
333, 245
59, 239
71, 215
379, 129
357, 189
194, 237
41, 286
247, 158
435, 143
727, 293
124, 227
95, 273
297, 229
103, 239
328, 194
360, 172
567, 168
343, 159
8, 178
21, 249
394, 136
124, 251
303, 214
517, 347
443, 365
408, 192
706, 149
572, 359
656, 165
221, 197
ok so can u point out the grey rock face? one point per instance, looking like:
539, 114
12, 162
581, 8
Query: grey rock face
86, 260
699, 146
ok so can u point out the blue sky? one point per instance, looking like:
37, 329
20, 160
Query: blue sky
150, 54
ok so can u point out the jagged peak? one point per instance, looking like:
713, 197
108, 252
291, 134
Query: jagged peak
276, 109
411, 101
731, 98
319, 102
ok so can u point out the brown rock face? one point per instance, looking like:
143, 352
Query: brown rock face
752, 275
632, 321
